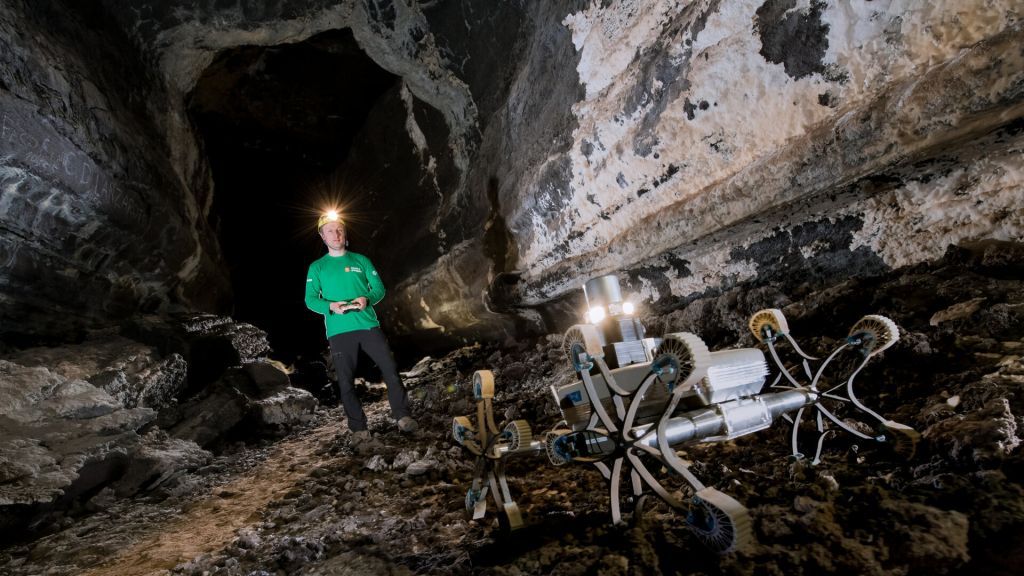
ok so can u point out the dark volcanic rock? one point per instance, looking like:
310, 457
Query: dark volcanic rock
70, 415
797, 39
158, 462
53, 427
134, 374
99, 220
247, 341
60, 439
395, 503
246, 401
210, 344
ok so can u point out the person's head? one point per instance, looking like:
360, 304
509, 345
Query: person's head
332, 231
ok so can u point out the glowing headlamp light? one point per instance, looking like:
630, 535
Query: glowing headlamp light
596, 314
329, 216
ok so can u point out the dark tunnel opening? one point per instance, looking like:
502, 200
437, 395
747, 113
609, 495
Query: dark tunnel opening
276, 123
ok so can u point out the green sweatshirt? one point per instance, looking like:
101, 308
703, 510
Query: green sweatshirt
344, 278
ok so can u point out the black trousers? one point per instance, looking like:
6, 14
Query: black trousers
345, 351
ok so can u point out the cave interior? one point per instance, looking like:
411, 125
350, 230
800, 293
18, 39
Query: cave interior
168, 404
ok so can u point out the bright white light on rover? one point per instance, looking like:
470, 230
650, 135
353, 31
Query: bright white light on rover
596, 314
628, 308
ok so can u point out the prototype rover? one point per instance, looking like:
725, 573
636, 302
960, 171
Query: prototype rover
638, 399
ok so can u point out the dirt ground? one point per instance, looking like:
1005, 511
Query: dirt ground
314, 503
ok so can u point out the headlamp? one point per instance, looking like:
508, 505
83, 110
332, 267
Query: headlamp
329, 216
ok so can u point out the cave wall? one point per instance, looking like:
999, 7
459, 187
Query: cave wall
721, 142
95, 223
517, 61
696, 146
107, 192
532, 145
413, 166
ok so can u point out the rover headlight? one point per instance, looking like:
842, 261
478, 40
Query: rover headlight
596, 314
628, 308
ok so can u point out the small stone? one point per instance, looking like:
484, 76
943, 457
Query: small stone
829, 482
614, 564
404, 458
805, 505
972, 342
376, 463
248, 539
957, 311
515, 371
420, 467
988, 357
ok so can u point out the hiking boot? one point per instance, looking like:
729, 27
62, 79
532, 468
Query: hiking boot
407, 424
359, 436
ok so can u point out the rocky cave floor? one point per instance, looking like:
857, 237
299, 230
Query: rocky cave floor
313, 503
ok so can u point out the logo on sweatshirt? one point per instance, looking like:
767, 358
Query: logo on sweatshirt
353, 269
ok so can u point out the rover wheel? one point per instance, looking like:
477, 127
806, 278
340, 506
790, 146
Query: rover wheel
873, 334
719, 521
768, 323
519, 434
682, 359
579, 339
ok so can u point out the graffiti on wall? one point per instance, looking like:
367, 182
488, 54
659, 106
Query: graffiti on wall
29, 142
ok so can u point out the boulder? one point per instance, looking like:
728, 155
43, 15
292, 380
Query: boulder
60, 437
209, 344
132, 373
246, 340
313, 375
252, 399
158, 461
206, 417
983, 437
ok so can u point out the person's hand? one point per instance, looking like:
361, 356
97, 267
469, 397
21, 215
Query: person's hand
338, 307
361, 302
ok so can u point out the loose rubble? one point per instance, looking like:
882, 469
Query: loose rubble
322, 504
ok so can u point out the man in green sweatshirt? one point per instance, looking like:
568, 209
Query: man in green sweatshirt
344, 286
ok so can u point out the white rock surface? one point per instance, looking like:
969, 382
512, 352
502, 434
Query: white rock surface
50, 427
